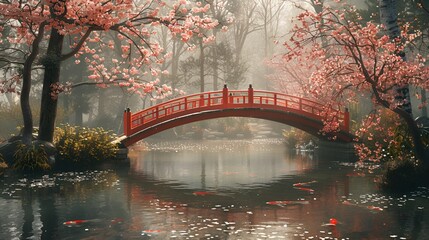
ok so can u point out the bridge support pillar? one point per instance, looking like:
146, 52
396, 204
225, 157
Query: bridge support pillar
225, 95
127, 122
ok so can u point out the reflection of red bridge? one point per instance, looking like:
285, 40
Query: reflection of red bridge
294, 111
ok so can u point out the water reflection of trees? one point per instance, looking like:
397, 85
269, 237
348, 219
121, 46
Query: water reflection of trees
333, 182
39, 197
245, 208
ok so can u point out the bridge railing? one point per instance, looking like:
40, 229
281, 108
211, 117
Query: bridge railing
225, 99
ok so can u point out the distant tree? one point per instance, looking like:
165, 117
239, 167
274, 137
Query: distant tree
289, 76
229, 71
35, 24
358, 60
221, 11
245, 23
270, 12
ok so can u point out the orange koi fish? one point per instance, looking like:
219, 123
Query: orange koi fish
332, 222
80, 221
375, 209
305, 189
202, 193
151, 231
372, 208
345, 202
302, 184
75, 222
284, 203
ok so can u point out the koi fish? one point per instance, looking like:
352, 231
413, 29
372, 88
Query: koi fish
348, 203
305, 189
375, 209
356, 174
284, 203
332, 222
372, 208
202, 193
302, 184
117, 221
151, 232
80, 222
75, 222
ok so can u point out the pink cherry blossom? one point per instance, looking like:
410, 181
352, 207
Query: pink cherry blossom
97, 28
336, 59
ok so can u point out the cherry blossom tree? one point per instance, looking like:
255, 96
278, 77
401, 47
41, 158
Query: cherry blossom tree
37, 30
289, 76
358, 60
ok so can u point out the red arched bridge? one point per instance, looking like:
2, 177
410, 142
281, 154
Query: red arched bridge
291, 110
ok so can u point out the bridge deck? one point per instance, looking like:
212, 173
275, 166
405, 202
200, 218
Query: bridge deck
227, 100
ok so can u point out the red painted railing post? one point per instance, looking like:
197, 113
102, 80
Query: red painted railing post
127, 122
225, 95
347, 120
250, 94
275, 99
202, 100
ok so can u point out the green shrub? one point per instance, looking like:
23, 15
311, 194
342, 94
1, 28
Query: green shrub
30, 158
83, 146
400, 176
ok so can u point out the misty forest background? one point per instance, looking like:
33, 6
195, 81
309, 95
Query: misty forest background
239, 56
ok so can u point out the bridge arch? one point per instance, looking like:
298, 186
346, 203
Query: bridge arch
291, 110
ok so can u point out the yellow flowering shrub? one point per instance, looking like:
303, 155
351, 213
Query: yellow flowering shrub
83, 146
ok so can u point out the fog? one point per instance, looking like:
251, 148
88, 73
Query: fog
249, 35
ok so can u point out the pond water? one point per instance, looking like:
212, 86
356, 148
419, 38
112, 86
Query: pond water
212, 190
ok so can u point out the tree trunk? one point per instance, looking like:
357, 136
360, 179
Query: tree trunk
101, 104
424, 99
119, 117
174, 66
48, 108
78, 120
25, 103
202, 66
421, 152
27, 133
215, 64
389, 17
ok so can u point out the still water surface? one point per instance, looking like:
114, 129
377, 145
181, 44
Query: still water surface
212, 190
